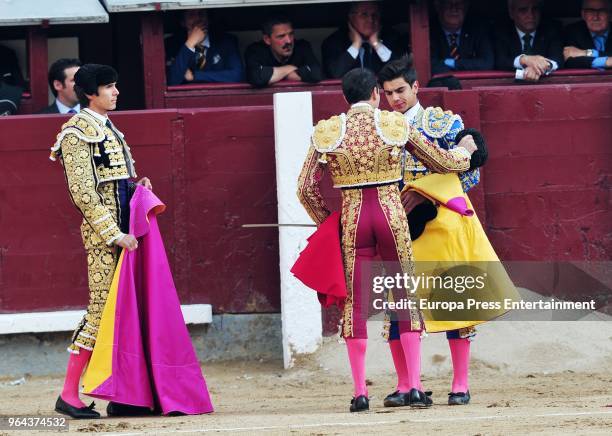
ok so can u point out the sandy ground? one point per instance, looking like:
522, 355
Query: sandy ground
263, 398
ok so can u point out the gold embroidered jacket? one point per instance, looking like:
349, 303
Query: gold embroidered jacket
364, 147
94, 157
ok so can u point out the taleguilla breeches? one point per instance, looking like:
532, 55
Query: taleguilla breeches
373, 225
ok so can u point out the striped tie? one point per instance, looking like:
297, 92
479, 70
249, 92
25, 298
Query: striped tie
454, 48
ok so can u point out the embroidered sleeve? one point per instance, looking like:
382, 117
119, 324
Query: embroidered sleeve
470, 178
309, 192
435, 158
78, 165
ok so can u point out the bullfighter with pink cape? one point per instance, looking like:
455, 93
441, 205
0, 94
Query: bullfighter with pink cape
143, 354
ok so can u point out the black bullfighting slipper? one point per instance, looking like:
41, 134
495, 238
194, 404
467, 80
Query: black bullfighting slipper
458, 398
360, 404
419, 399
118, 409
86, 412
396, 399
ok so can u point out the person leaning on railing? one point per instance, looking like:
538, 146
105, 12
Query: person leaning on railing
588, 43
279, 56
528, 45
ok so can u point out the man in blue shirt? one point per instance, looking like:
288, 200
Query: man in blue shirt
202, 57
587, 42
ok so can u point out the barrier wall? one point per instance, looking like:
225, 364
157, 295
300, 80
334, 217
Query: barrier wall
545, 193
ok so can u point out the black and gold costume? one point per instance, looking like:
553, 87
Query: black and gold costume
97, 164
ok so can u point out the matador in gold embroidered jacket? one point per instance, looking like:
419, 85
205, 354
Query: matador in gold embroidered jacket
97, 164
363, 151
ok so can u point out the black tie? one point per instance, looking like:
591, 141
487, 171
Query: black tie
367, 55
527, 47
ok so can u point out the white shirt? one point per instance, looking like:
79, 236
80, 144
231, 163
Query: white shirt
517, 63
102, 118
382, 51
63, 109
411, 113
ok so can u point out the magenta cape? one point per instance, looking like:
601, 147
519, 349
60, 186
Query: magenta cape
319, 266
144, 355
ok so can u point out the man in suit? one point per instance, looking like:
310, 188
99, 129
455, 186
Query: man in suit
532, 48
61, 81
199, 56
279, 56
456, 44
588, 43
362, 43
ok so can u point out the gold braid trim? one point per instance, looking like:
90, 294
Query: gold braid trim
82, 126
435, 158
391, 127
328, 134
309, 192
351, 210
82, 186
436, 123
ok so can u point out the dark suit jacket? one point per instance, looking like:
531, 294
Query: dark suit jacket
223, 61
260, 63
578, 35
337, 61
51, 109
475, 48
547, 43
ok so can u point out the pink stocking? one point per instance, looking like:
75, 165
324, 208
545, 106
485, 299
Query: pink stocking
411, 343
399, 361
357, 351
460, 353
76, 365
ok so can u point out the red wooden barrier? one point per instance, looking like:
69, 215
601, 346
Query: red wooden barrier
546, 192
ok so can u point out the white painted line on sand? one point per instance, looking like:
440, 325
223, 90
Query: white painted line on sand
360, 424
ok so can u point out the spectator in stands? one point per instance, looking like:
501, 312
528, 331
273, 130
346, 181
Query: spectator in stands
10, 73
61, 82
200, 56
11, 82
588, 42
457, 44
532, 48
361, 43
279, 56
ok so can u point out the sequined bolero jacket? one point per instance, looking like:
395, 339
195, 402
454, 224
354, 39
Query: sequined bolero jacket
364, 147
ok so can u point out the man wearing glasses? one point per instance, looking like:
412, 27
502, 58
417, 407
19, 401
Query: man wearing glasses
362, 43
527, 45
587, 42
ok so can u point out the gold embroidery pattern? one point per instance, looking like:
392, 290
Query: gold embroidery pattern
351, 208
329, 133
392, 127
101, 264
391, 204
309, 192
363, 158
435, 158
78, 166
436, 122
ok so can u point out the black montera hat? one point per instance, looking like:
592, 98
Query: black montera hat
90, 76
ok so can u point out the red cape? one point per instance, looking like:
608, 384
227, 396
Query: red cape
319, 266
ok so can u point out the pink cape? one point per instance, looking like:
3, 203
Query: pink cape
153, 360
319, 266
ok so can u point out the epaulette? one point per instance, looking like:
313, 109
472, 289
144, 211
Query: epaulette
436, 123
83, 127
328, 134
391, 127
